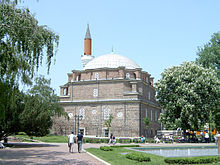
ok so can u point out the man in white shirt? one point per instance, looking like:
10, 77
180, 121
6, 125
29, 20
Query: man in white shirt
71, 142
206, 137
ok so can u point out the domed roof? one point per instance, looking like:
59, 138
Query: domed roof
111, 61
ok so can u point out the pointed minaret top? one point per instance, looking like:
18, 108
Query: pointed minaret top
88, 32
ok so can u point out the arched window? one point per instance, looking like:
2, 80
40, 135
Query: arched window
134, 76
78, 78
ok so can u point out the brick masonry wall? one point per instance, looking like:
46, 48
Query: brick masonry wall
127, 116
125, 121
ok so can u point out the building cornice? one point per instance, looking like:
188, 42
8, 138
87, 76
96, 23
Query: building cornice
104, 80
131, 100
100, 101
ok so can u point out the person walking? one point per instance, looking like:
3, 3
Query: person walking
71, 142
142, 139
216, 138
79, 141
111, 139
206, 137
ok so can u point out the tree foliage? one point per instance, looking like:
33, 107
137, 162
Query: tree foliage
11, 106
188, 94
108, 123
23, 43
146, 121
40, 105
209, 54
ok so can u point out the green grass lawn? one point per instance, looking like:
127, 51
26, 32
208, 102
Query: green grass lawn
47, 139
117, 157
53, 139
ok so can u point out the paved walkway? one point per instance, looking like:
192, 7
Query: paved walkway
47, 154
54, 154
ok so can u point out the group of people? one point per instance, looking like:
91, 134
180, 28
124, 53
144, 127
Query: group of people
112, 139
79, 140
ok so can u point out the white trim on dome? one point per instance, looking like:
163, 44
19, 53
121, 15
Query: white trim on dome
111, 61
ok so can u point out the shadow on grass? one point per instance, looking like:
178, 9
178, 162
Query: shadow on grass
28, 145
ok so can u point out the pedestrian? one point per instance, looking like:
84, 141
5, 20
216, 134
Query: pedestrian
143, 139
206, 137
111, 139
79, 141
216, 138
71, 142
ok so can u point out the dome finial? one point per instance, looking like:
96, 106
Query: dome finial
112, 50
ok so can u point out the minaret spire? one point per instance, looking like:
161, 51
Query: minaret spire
88, 35
87, 42
87, 56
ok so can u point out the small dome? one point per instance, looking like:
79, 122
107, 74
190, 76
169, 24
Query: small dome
111, 61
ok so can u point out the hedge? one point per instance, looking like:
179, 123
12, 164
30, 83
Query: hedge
106, 148
118, 140
138, 157
118, 146
193, 160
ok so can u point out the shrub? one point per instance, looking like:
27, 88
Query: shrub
106, 148
124, 140
193, 160
21, 133
138, 157
118, 146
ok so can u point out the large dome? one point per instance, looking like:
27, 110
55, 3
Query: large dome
111, 61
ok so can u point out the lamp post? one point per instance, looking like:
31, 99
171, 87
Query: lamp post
77, 117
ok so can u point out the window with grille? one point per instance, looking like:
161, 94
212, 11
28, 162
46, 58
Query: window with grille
95, 92
106, 113
82, 113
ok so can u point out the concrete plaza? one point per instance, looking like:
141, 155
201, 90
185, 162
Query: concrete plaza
58, 153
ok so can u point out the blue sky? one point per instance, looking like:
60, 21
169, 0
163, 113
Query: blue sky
156, 34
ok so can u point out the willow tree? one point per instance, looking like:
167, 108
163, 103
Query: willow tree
23, 45
189, 94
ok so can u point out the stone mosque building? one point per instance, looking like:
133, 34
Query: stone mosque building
107, 85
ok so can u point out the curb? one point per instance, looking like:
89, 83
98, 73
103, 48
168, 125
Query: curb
98, 158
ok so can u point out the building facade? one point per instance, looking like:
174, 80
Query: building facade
108, 85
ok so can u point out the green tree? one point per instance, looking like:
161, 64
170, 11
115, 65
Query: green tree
23, 45
209, 54
146, 121
108, 123
188, 94
209, 57
12, 105
40, 105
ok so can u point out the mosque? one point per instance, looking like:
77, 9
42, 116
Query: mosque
108, 85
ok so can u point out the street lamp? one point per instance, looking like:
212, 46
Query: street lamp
77, 117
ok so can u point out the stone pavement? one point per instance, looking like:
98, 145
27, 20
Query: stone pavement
56, 153
49, 154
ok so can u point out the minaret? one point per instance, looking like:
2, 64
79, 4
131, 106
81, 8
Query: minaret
87, 48
87, 42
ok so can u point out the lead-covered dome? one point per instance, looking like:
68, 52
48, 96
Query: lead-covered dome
111, 61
